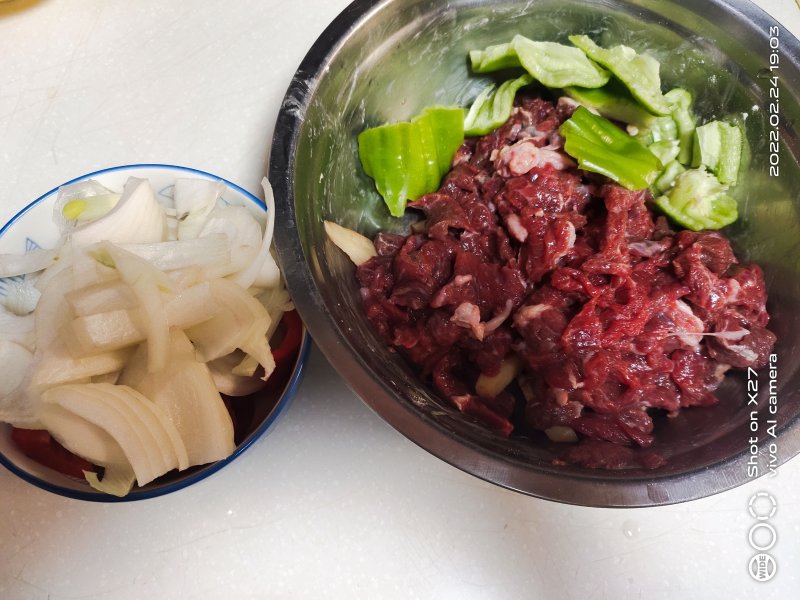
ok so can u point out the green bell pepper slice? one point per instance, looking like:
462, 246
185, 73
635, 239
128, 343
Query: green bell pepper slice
666, 179
660, 129
718, 146
697, 200
493, 106
665, 150
558, 66
447, 125
681, 101
493, 58
613, 101
409, 159
639, 72
601, 147
554, 65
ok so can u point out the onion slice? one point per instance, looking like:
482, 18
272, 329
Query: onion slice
39, 259
357, 247
262, 271
194, 200
137, 217
14, 405
149, 285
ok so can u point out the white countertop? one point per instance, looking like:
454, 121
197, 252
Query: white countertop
333, 502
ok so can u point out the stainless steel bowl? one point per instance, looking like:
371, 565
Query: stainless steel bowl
385, 61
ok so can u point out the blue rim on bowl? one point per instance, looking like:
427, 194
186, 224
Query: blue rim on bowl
180, 481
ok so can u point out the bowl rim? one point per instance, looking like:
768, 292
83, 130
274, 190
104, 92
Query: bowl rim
203, 472
588, 490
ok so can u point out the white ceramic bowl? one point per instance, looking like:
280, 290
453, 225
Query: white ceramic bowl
33, 227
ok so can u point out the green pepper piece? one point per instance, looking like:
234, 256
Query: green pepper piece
383, 152
667, 177
556, 65
409, 159
681, 101
697, 200
494, 58
612, 101
493, 106
718, 146
665, 150
639, 72
447, 125
730, 156
601, 147
421, 157
660, 129
707, 142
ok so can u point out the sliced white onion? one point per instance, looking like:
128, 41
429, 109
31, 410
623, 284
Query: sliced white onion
212, 250
227, 378
83, 438
89, 208
247, 367
88, 189
242, 323
268, 276
203, 422
261, 270
137, 218
561, 434
194, 200
52, 313
357, 247
64, 263
21, 295
125, 429
242, 232
117, 480
171, 451
56, 365
100, 297
91, 266
150, 286
276, 301
490, 386
15, 360
17, 329
30, 262
114, 329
